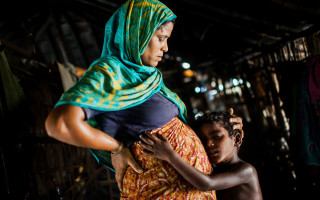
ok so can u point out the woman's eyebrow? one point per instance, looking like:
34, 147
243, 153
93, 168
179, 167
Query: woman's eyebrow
164, 35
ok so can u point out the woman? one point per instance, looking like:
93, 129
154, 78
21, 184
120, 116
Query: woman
124, 93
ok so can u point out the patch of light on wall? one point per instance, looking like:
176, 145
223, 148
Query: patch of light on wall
198, 114
211, 94
275, 80
213, 84
240, 81
203, 89
197, 89
235, 82
220, 87
185, 65
248, 84
264, 112
229, 91
227, 85
178, 58
166, 56
238, 90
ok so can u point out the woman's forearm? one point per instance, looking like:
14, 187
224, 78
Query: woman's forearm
66, 123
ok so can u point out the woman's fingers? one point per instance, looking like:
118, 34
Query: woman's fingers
161, 137
120, 163
132, 162
238, 121
119, 178
230, 111
237, 126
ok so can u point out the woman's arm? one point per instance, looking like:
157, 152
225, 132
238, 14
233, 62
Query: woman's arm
67, 124
159, 147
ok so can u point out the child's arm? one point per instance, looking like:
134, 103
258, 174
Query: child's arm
159, 147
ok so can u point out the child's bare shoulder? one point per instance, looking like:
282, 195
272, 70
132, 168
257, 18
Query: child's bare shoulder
246, 170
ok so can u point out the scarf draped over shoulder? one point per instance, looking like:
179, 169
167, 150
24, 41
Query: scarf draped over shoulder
118, 79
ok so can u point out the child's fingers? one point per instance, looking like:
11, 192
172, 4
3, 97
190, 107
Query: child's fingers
145, 146
146, 139
147, 152
161, 137
156, 138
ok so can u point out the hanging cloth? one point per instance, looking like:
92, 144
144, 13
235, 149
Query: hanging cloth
308, 128
13, 92
68, 75
314, 81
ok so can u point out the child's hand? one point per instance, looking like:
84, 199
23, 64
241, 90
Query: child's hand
156, 145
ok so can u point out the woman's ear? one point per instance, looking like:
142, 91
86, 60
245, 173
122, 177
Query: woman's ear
238, 140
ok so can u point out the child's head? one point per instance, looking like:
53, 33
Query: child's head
218, 137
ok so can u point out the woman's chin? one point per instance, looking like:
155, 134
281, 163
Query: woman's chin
154, 64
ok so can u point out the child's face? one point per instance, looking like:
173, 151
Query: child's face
219, 145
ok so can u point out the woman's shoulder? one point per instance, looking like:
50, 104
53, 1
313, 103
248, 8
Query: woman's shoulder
102, 61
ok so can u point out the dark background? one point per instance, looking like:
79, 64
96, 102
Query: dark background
266, 45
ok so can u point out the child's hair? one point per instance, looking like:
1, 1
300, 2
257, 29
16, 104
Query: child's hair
215, 117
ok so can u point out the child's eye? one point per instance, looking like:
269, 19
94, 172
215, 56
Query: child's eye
161, 39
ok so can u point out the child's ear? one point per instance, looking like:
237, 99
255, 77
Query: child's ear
237, 140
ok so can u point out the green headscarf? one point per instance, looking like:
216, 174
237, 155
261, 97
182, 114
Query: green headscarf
118, 79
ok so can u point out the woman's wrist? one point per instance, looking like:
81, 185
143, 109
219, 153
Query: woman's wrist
116, 152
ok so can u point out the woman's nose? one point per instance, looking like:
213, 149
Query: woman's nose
165, 47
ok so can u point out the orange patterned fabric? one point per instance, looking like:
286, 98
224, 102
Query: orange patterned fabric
159, 179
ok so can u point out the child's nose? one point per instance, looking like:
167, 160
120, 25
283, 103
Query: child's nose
210, 144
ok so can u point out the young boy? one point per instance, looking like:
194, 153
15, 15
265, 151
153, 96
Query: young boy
234, 178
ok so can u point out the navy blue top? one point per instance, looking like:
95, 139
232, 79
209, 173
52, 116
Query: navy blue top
126, 125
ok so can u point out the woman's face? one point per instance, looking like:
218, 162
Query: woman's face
157, 45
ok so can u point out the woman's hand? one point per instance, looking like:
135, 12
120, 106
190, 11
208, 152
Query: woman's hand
156, 146
121, 162
237, 120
